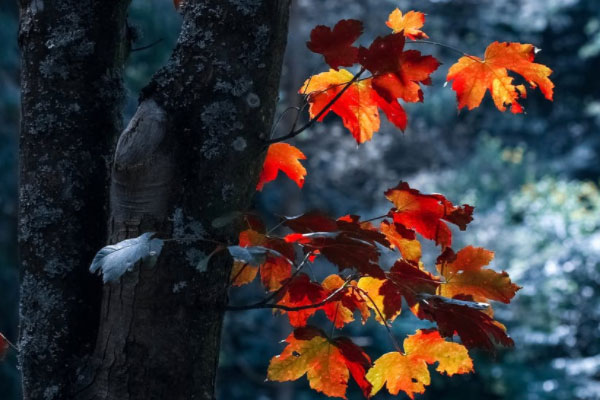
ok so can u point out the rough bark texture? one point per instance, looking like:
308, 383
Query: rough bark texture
192, 153
72, 53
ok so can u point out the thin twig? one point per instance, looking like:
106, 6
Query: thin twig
376, 218
147, 46
15, 348
385, 323
328, 299
238, 274
325, 109
442, 45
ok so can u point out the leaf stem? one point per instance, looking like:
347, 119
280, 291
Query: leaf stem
442, 45
385, 323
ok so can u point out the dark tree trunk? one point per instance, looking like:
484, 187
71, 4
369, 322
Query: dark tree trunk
72, 55
191, 153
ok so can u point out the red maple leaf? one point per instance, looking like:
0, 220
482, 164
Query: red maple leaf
336, 45
345, 242
426, 213
474, 326
397, 73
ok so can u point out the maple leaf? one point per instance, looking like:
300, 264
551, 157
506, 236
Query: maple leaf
426, 213
475, 327
336, 45
4, 345
345, 242
465, 275
301, 291
407, 280
473, 76
409, 372
409, 23
341, 311
242, 273
404, 280
397, 73
273, 270
358, 106
327, 363
282, 157
403, 239
376, 300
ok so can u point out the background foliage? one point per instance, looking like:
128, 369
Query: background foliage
533, 179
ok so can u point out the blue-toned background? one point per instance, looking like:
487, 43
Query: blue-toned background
533, 179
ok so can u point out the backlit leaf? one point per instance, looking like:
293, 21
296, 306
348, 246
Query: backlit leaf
473, 76
466, 276
409, 373
403, 239
242, 273
410, 24
341, 311
357, 106
282, 157
327, 363
275, 263
426, 213
397, 73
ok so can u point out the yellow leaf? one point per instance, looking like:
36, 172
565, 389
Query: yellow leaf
408, 372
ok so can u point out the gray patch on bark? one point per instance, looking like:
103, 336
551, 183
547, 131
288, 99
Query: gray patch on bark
247, 7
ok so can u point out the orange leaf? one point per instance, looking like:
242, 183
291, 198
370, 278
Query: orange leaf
473, 76
425, 213
358, 105
282, 157
466, 276
410, 24
274, 270
341, 311
408, 372
177, 4
376, 300
336, 45
403, 239
327, 363
242, 273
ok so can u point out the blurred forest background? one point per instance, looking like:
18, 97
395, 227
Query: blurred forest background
533, 179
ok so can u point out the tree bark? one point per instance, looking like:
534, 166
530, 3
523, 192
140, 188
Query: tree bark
191, 153
72, 56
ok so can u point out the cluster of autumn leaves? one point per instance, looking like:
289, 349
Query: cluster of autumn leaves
397, 75
456, 296
453, 297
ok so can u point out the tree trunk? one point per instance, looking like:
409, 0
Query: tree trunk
72, 56
191, 153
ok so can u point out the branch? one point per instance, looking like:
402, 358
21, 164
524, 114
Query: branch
325, 109
260, 305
